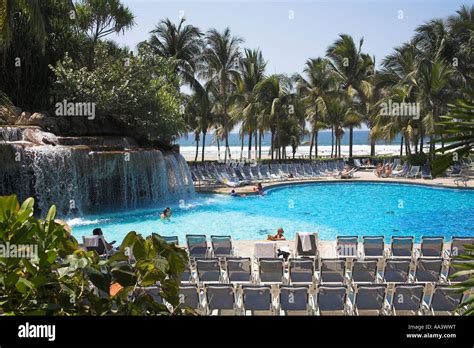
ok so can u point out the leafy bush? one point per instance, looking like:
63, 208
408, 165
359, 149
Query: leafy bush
466, 268
417, 159
139, 92
62, 279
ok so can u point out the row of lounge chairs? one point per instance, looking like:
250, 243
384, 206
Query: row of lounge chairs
234, 176
311, 272
362, 299
347, 246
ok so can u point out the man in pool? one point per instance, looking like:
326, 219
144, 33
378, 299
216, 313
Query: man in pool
259, 189
166, 213
278, 236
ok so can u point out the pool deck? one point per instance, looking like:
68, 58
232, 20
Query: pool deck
359, 176
327, 249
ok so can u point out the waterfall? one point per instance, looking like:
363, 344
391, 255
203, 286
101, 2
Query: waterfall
85, 179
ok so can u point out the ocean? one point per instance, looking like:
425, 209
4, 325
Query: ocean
361, 145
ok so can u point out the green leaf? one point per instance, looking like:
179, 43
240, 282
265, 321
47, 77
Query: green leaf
24, 285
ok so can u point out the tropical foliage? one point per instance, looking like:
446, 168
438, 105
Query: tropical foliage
467, 286
58, 278
226, 85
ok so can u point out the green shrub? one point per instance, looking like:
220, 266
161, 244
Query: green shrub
59, 278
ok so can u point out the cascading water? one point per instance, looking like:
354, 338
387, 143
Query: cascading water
86, 179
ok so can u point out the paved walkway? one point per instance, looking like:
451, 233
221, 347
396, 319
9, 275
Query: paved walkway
360, 175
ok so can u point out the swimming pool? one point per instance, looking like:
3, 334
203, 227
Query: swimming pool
331, 209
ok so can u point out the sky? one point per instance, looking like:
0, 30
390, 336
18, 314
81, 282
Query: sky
290, 32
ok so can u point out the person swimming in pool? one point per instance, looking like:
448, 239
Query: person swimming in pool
259, 189
166, 213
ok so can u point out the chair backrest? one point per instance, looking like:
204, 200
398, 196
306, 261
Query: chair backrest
432, 246
396, 271
347, 245
453, 268
374, 245
264, 249
239, 269
331, 298
294, 298
94, 243
458, 245
256, 298
301, 270
270, 270
313, 239
445, 299
333, 270
370, 297
189, 297
364, 271
208, 270
197, 245
154, 293
171, 239
402, 246
428, 270
220, 296
408, 297
186, 276
221, 245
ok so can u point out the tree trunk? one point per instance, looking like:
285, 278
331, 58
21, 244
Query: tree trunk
218, 149
372, 146
242, 146
259, 146
203, 145
272, 142
316, 144
351, 135
332, 141
401, 146
249, 155
311, 145
197, 147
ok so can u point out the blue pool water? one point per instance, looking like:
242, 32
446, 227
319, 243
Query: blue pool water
331, 209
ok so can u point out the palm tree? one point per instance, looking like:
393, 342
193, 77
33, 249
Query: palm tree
272, 93
355, 70
180, 42
321, 83
221, 57
245, 101
10, 9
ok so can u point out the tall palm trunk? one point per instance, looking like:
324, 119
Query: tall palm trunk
372, 144
401, 146
351, 137
197, 147
259, 146
311, 145
249, 155
203, 145
242, 146
316, 144
272, 142
332, 141
218, 149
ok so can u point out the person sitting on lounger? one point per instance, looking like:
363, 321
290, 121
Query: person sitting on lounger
98, 232
166, 213
278, 236
388, 171
379, 170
